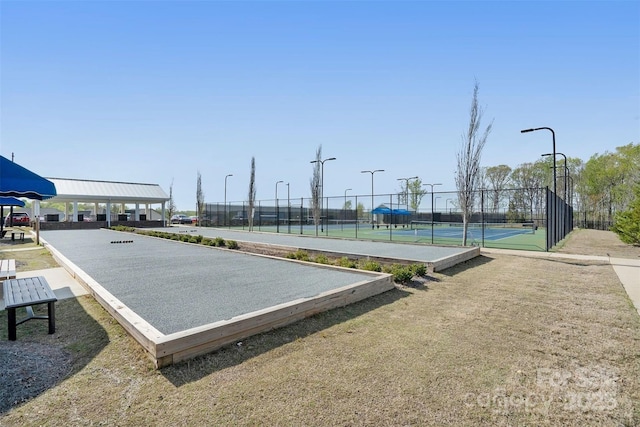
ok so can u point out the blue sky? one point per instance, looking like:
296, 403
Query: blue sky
155, 91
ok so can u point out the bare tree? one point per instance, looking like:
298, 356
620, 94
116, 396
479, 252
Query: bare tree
172, 203
252, 192
199, 197
468, 173
314, 183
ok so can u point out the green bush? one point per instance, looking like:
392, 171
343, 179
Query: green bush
192, 239
371, 266
322, 259
299, 255
626, 224
346, 262
219, 241
419, 270
401, 273
232, 244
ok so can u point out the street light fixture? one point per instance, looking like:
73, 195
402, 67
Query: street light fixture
277, 209
553, 134
566, 171
321, 190
288, 210
226, 212
432, 185
372, 172
446, 205
406, 189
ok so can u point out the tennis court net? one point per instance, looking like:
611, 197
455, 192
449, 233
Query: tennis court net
523, 227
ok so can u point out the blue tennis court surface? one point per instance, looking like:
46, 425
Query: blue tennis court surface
455, 231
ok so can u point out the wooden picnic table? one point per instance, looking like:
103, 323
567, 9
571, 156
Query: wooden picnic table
27, 292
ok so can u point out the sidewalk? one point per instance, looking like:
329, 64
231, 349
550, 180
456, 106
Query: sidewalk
628, 270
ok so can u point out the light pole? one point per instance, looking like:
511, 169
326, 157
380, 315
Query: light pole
372, 172
406, 189
435, 201
566, 171
277, 209
226, 213
432, 185
446, 205
321, 189
344, 209
553, 134
288, 210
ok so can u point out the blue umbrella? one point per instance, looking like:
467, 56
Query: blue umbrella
16, 181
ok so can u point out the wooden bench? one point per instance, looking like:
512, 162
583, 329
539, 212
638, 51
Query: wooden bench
7, 269
28, 292
14, 233
17, 233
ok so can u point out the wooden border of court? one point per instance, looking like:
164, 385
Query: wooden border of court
165, 350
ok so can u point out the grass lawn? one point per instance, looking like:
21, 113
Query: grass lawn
501, 340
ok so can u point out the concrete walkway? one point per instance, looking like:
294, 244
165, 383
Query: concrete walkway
627, 269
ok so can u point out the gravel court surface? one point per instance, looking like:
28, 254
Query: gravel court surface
405, 251
176, 286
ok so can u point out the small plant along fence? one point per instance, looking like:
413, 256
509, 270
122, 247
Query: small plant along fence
524, 218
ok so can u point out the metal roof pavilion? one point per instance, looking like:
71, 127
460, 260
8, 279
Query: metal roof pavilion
79, 190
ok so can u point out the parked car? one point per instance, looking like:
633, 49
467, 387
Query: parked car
194, 220
19, 218
180, 219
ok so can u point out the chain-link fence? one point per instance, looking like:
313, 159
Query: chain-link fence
514, 218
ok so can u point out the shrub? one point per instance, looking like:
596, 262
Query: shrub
299, 255
232, 244
192, 239
346, 262
322, 259
371, 266
419, 270
219, 241
401, 273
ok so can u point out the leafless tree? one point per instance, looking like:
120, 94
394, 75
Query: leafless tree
468, 173
172, 203
252, 192
314, 183
199, 197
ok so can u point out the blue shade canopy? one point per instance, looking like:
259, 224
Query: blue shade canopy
16, 181
11, 201
386, 211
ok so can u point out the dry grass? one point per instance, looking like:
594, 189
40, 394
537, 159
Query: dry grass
501, 340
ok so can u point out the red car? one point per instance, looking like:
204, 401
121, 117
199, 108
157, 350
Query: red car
19, 218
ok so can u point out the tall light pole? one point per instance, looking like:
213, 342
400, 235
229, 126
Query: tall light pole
344, 209
372, 173
432, 185
436, 201
226, 213
553, 134
288, 210
277, 209
406, 189
321, 189
446, 205
566, 171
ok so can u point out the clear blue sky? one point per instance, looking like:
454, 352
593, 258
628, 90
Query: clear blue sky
153, 91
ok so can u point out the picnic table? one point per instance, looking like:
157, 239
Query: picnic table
28, 292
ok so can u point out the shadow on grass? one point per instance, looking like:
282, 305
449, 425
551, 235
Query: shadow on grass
37, 361
472, 263
234, 354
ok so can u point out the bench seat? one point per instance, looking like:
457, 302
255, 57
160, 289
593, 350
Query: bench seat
7, 269
27, 292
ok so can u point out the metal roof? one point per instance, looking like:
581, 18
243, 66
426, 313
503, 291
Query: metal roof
70, 190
